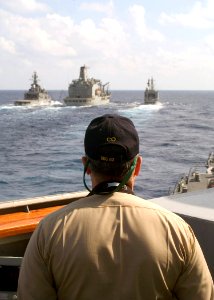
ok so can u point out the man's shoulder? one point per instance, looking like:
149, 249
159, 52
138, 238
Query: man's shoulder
130, 200
145, 206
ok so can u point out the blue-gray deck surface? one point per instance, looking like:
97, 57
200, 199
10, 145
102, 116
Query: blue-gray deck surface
197, 209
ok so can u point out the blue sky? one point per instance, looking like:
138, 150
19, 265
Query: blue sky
123, 42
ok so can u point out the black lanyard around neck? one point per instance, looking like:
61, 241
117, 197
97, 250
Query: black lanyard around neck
104, 188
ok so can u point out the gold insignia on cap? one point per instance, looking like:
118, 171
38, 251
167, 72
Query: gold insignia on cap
111, 139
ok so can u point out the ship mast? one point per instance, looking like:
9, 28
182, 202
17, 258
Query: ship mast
152, 84
35, 80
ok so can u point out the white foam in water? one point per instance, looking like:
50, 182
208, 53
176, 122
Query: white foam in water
141, 111
157, 106
53, 103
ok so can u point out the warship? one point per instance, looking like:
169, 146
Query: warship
151, 96
19, 218
197, 178
35, 96
87, 91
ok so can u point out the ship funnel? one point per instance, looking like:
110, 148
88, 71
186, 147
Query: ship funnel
83, 73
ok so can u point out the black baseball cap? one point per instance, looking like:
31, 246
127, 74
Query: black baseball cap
111, 138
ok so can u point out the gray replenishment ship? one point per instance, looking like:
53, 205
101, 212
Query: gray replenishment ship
151, 96
87, 91
197, 178
35, 96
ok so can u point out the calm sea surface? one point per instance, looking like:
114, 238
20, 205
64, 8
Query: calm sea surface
41, 148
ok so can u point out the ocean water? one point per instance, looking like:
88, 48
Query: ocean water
41, 147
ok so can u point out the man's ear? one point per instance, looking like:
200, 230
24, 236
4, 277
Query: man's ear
138, 166
85, 162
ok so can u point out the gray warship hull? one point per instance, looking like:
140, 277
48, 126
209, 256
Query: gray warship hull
86, 101
37, 102
150, 99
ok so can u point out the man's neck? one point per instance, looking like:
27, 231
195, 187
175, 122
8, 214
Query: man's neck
108, 187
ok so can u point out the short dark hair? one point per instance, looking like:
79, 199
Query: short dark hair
114, 171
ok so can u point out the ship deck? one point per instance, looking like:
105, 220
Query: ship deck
18, 219
22, 216
197, 209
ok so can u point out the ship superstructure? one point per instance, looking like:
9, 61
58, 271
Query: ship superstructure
87, 91
35, 95
151, 96
197, 178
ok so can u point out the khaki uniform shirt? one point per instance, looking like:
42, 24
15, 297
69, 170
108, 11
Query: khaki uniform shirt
114, 247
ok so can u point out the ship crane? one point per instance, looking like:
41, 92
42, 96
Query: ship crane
103, 87
105, 84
